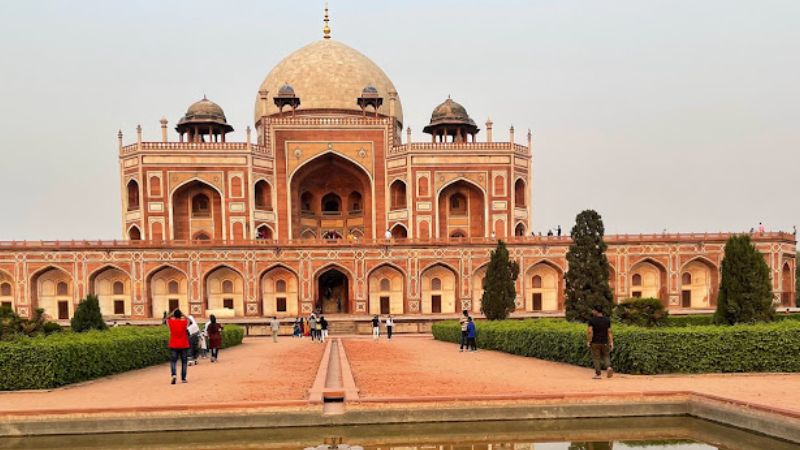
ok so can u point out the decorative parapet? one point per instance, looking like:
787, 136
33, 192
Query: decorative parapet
194, 146
328, 121
555, 241
453, 146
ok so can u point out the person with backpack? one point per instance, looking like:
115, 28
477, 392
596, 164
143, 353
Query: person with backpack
178, 344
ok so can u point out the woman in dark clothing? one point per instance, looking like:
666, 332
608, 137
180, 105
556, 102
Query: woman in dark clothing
214, 332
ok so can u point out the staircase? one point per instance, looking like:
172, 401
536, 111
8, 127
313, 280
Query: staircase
339, 328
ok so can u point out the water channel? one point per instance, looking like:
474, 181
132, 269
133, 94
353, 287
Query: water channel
659, 433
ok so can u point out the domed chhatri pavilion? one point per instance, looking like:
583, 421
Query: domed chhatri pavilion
330, 206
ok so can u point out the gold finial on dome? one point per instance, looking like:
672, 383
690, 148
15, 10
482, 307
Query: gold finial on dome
326, 30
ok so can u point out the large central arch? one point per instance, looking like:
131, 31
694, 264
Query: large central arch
330, 196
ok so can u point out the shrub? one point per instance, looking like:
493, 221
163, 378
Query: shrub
499, 292
12, 326
587, 278
745, 291
766, 347
644, 312
87, 316
65, 358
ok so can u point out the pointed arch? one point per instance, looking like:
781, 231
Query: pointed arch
134, 233
439, 297
397, 194
132, 188
654, 279
185, 222
105, 283
215, 298
262, 195
478, 276
45, 293
449, 215
699, 283
386, 284
334, 288
399, 231
277, 301
160, 298
543, 285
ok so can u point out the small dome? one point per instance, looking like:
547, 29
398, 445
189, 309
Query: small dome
204, 112
450, 112
286, 91
369, 91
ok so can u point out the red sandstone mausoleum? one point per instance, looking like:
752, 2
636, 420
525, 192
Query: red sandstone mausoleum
329, 204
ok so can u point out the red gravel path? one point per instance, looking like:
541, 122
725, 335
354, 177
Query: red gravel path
257, 370
424, 367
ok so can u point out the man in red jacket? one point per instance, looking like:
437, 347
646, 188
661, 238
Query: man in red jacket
178, 343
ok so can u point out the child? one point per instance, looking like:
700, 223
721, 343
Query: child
203, 345
471, 334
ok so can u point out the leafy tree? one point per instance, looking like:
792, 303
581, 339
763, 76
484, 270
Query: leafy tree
587, 277
745, 292
499, 292
13, 326
87, 316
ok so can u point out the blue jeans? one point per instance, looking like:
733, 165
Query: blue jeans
174, 353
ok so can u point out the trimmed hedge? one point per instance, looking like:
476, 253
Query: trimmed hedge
773, 347
65, 358
708, 319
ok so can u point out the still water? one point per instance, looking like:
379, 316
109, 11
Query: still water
660, 433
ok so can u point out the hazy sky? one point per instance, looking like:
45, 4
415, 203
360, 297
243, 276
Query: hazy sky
682, 115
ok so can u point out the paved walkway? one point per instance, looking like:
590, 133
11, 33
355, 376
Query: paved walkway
256, 371
404, 369
425, 368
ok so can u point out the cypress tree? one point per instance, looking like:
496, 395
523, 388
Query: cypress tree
745, 291
587, 277
499, 291
87, 316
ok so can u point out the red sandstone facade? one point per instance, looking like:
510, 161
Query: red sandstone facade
332, 208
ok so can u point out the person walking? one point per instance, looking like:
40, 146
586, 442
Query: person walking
178, 344
324, 324
312, 327
463, 322
275, 326
389, 327
601, 341
194, 340
298, 328
472, 333
319, 328
306, 328
214, 332
376, 327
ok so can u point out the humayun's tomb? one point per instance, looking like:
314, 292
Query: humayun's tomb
296, 216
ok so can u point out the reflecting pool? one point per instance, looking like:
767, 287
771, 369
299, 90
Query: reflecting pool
659, 433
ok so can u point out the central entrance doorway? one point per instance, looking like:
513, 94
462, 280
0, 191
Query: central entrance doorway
333, 292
